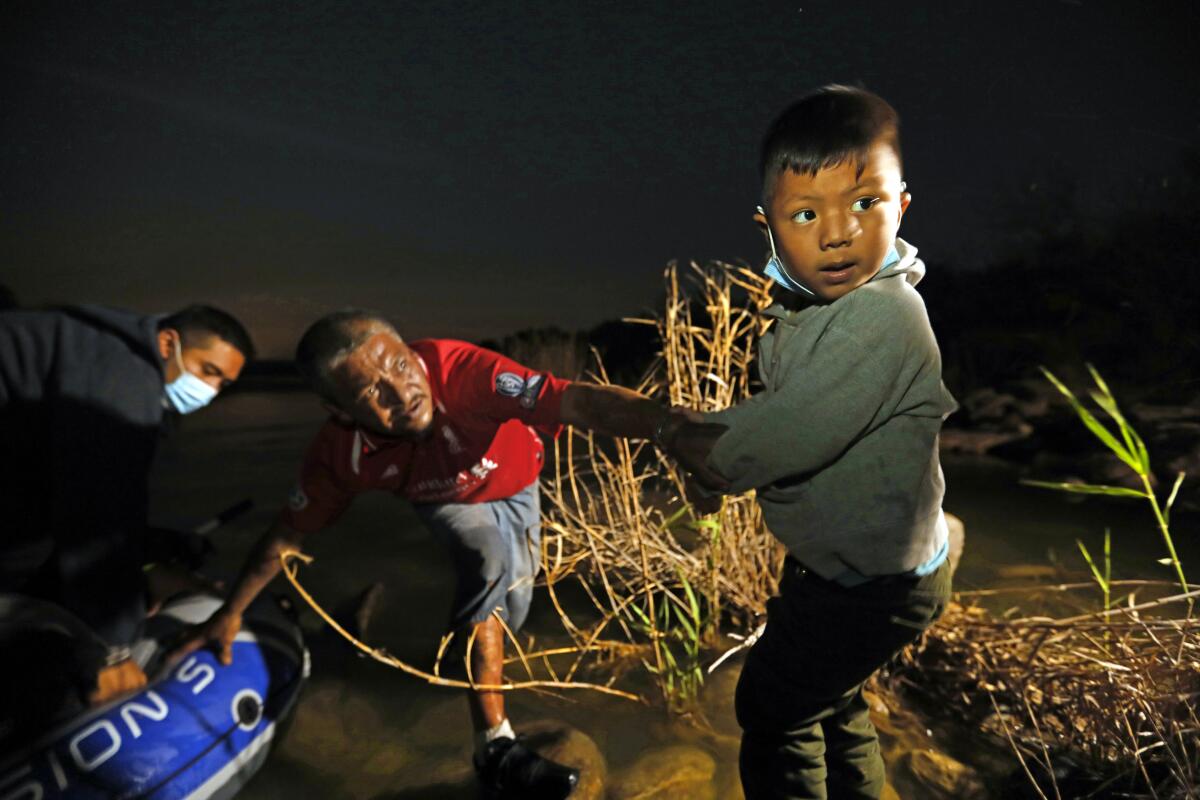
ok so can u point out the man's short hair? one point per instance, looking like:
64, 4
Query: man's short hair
828, 127
330, 340
197, 324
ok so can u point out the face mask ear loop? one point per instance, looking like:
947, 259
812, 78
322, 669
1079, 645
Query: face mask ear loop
770, 236
179, 353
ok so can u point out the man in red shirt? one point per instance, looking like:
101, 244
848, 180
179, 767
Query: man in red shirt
450, 427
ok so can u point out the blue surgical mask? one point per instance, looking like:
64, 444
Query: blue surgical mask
187, 393
775, 270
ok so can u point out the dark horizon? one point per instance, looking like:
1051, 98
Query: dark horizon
475, 170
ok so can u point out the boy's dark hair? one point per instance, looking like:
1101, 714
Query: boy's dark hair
328, 342
199, 323
826, 128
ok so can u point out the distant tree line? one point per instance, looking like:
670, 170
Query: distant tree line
1122, 293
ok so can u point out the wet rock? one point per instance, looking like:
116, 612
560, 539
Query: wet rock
440, 779
1105, 468
913, 768
940, 775
987, 406
1159, 414
717, 696
666, 774
958, 537
978, 442
337, 727
567, 745
729, 782
1029, 571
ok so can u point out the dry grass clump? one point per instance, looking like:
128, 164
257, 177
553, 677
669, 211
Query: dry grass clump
614, 521
1098, 704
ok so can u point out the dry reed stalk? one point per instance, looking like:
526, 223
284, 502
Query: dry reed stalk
1116, 690
288, 562
614, 514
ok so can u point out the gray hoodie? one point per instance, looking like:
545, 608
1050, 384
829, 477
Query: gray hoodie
842, 444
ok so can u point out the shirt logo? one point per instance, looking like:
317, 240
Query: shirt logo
529, 395
391, 471
509, 384
297, 499
451, 440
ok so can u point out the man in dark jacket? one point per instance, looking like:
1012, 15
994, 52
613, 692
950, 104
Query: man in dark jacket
83, 392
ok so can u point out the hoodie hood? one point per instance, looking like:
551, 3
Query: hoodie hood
138, 331
911, 267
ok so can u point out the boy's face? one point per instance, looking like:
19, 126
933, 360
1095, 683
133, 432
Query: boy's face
832, 230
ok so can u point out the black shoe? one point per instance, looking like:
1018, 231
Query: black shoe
509, 770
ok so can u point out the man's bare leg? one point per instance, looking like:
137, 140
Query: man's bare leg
506, 767
487, 667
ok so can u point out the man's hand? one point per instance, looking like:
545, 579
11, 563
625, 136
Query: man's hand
116, 679
218, 631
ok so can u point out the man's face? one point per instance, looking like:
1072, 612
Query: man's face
832, 230
212, 360
382, 387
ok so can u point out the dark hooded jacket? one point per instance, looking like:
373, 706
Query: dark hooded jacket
81, 404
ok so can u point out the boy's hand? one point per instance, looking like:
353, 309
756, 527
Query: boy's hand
703, 502
683, 435
691, 445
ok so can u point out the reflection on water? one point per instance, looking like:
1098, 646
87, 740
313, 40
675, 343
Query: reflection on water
364, 731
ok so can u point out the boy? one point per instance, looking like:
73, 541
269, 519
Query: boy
841, 447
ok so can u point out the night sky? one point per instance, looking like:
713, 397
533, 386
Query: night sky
473, 168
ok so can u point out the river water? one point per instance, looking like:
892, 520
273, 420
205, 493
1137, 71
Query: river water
365, 731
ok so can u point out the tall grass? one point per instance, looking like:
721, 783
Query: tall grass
1113, 692
1130, 448
616, 523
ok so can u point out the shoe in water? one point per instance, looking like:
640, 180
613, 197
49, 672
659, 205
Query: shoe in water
509, 770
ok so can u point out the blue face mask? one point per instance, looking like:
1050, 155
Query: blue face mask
774, 268
187, 393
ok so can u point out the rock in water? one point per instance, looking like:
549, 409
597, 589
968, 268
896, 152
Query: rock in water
566, 745
333, 725
668, 773
717, 697
958, 536
940, 775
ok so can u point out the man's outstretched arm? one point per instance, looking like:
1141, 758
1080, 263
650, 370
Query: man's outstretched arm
610, 410
617, 411
260, 567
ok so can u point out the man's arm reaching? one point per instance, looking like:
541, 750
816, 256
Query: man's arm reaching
610, 410
261, 566
617, 411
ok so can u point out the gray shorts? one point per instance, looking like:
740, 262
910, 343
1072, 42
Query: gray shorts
496, 550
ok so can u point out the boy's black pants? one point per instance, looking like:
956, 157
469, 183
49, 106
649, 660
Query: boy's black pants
806, 732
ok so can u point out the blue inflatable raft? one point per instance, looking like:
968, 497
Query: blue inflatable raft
199, 730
